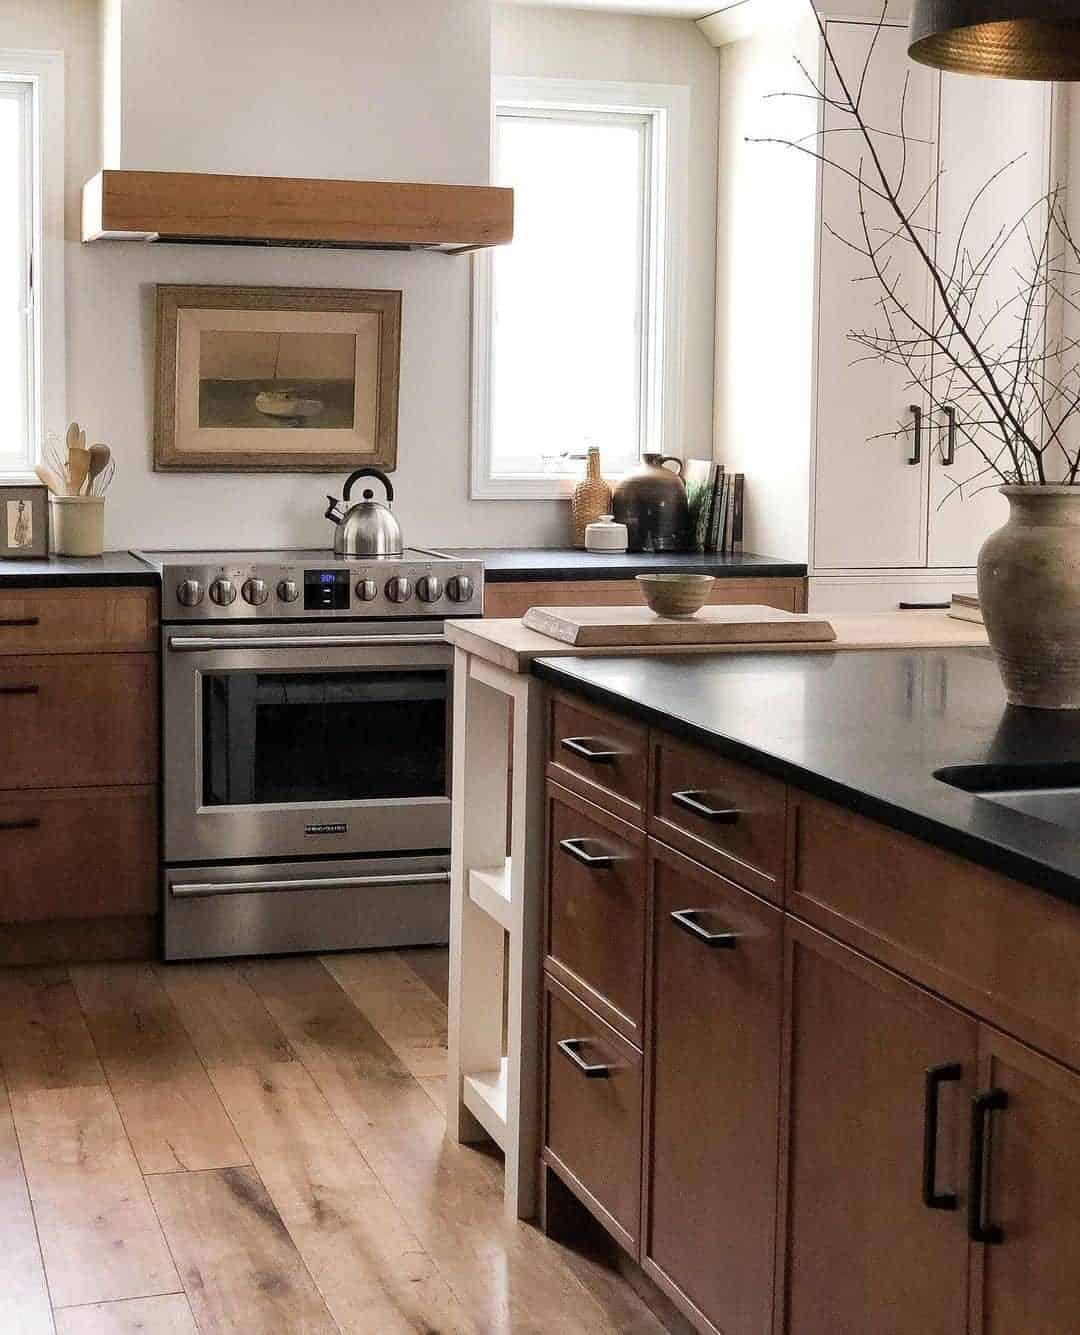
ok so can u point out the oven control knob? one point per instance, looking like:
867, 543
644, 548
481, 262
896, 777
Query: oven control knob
429, 589
288, 590
460, 589
367, 590
399, 589
223, 592
189, 593
255, 591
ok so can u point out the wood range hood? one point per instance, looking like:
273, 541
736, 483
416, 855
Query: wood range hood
215, 209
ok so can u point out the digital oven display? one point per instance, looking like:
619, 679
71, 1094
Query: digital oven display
326, 590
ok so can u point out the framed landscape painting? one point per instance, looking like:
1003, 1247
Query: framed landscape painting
276, 379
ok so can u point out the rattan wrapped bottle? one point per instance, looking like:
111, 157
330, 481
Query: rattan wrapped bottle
591, 498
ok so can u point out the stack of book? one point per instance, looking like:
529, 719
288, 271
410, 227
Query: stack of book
716, 506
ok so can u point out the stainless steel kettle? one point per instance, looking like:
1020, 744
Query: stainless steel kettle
366, 527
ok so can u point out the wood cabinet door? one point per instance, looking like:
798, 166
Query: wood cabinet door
1028, 1281
869, 501
975, 214
860, 1250
713, 1095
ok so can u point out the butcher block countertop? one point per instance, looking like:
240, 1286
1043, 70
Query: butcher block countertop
508, 644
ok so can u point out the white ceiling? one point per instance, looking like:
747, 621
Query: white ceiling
672, 9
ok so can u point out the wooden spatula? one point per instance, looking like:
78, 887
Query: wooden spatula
51, 478
78, 468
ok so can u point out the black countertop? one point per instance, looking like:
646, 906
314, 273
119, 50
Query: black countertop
504, 565
867, 730
112, 568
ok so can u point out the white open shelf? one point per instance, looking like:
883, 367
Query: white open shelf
489, 889
484, 1094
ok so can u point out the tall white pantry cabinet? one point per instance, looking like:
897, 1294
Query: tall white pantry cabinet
847, 466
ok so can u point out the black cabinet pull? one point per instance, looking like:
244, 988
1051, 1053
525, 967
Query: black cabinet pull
687, 920
590, 1070
994, 1100
924, 607
20, 688
595, 861
692, 800
20, 621
587, 749
916, 453
948, 453
30, 823
936, 1076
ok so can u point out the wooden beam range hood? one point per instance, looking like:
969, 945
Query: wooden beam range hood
205, 208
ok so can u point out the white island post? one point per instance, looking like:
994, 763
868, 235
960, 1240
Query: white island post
496, 895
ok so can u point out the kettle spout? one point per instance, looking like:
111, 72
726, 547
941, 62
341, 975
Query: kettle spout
334, 512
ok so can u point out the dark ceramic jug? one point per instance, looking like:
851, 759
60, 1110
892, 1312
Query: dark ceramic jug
651, 502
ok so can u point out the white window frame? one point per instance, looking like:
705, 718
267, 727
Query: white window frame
44, 72
667, 109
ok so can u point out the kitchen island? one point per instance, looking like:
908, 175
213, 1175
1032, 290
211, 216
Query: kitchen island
801, 1015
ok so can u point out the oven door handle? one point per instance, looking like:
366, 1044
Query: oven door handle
202, 889
203, 644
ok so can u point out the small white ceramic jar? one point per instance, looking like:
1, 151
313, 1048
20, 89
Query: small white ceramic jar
77, 525
604, 535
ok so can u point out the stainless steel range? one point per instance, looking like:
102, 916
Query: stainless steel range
306, 725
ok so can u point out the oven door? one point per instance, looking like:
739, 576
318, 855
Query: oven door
293, 741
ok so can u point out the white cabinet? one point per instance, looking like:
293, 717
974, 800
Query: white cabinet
827, 441
869, 493
986, 126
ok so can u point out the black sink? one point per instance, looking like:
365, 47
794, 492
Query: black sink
1048, 792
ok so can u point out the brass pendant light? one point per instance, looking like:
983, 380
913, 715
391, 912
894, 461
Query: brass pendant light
1007, 39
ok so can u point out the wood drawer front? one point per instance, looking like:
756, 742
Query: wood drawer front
80, 719
1005, 951
592, 1122
713, 1094
616, 777
83, 853
750, 844
595, 929
79, 621
514, 599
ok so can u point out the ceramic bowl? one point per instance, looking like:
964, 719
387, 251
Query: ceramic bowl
676, 595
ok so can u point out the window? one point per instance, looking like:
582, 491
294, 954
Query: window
575, 322
31, 256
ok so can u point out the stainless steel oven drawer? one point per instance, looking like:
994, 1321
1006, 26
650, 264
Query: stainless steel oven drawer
285, 908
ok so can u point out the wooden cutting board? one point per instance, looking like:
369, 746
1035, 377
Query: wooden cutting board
622, 627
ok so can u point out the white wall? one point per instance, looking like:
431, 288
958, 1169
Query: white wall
575, 44
410, 100
392, 89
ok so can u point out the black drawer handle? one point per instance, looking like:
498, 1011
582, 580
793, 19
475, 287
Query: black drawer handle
589, 749
687, 920
936, 1076
590, 1070
20, 621
31, 823
596, 861
693, 800
20, 688
994, 1100
924, 607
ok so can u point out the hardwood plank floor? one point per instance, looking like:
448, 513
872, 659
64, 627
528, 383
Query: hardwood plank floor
170, 1109
168, 1315
346, 1210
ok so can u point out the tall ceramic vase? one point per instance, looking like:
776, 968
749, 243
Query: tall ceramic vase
1029, 592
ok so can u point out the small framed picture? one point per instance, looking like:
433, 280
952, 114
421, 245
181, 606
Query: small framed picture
24, 522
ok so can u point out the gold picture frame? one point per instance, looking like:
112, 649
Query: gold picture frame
276, 379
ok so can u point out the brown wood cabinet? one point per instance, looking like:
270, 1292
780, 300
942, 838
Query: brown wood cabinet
859, 1075
514, 599
712, 1094
599, 755
864, 1252
79, 687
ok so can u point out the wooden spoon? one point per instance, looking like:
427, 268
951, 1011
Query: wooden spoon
51, 478
78, 468
99, 461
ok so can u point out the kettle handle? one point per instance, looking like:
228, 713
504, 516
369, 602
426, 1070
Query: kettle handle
665, 459
368, 472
